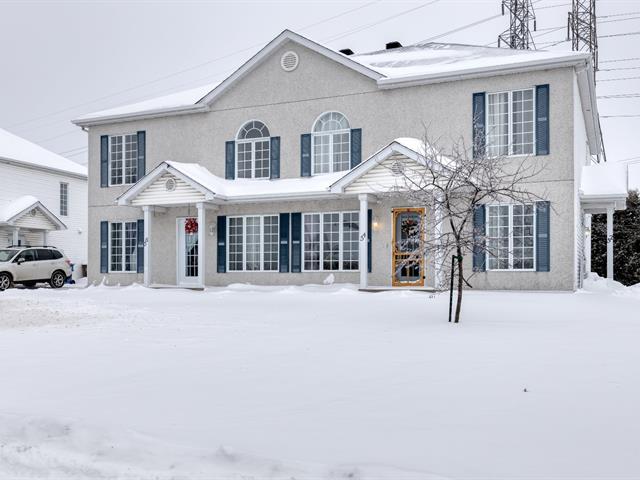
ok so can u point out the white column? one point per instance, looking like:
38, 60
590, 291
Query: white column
610, 243
587, 242
147, 210
16, 236
438, 233
363, 235
44, 237
202, 247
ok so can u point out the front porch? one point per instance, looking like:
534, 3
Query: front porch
26, 221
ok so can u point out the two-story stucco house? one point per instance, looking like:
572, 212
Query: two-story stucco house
43, 199
274, 176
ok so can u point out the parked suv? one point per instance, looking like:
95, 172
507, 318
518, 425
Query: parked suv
29, 265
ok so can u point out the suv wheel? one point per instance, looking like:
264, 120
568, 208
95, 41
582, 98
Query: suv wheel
5, 281
57, 279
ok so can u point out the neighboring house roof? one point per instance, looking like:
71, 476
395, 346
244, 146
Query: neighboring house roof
416, 64
13, 211
17, 150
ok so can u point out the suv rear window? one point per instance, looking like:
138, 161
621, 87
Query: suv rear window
44, 254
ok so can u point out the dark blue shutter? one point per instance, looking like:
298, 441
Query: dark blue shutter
104, 161
222, 243
284, 242
275, 157
542, 120
369, 237
140, 248
296, 242
230, 160
356, 146
543, 239
478, 123
479, 253
305, 155
104, 247
142, 147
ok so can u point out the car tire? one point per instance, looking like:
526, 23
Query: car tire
5, 281
57, 279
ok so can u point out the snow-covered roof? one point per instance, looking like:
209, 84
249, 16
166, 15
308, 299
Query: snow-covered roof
13, 210
19, 150
604, 180
422, 63
165, 103
443, 59
222, 189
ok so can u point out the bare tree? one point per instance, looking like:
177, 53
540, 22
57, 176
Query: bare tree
453, 184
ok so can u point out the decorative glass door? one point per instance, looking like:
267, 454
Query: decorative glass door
187, 254
408, 259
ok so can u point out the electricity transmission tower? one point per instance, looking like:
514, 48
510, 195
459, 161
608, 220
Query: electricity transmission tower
521, 14
581, 28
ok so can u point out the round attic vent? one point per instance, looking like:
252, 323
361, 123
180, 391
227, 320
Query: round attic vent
397, 168
33, 212
170, 185
289, 61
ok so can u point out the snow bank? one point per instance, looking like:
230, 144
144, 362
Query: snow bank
594, 283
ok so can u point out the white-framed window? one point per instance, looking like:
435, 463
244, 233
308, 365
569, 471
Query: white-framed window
123, 242
123, 159
330, 241
64, 199
511, 123
331, 144
253, 151
511, 237
253, 242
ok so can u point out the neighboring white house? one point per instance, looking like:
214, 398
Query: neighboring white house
43, 199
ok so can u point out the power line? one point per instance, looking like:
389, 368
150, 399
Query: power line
618, 69
620, 95
617, 79
620, 60
626, 34
620, 14
618, 20
386, 19
621, 116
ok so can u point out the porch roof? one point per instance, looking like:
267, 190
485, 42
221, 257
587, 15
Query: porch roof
604, 185
219, 190
12, 212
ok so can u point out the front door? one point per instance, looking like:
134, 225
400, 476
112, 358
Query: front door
408, 258
187, 255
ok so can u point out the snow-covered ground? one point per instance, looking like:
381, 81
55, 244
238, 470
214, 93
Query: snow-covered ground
320, 382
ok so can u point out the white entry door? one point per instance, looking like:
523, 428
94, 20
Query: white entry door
187, 252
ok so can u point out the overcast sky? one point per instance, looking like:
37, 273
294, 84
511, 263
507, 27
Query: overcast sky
62, 59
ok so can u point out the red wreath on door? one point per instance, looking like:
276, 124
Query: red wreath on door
191, 225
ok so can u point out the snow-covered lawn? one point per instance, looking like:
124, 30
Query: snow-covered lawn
318, 382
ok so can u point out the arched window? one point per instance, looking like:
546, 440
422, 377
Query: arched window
331, 143
253, 151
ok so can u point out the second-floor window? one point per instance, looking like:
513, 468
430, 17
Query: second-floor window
64, 199
123, 159
510, 123
253, 151
331, 144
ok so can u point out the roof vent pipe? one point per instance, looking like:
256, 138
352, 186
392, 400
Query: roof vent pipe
346, 51
392, 45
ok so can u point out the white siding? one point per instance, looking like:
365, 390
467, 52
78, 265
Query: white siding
157, 194
382, 178
18, 181
38, 221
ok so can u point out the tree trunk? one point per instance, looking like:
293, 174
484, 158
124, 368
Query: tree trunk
460, 285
